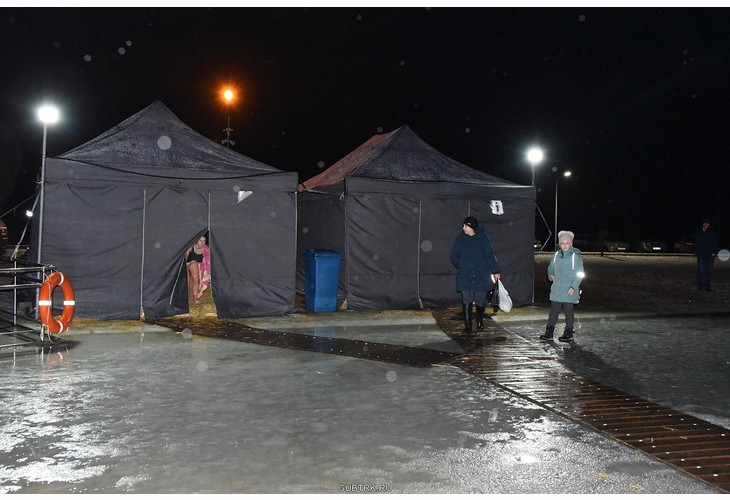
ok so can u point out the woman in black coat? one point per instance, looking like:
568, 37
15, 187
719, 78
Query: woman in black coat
473, 256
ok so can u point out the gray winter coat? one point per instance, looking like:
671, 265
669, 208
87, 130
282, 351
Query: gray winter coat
568, 270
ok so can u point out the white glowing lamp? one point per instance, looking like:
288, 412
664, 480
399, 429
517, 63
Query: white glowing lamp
48, 114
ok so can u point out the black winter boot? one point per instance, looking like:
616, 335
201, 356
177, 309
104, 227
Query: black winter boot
467, 318
548, 335
567, 335
480, 318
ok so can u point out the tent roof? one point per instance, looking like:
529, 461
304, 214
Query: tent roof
401, 155
154, 139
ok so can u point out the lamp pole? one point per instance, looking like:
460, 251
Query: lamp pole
47, 115
566, 174
228, 96
534, 156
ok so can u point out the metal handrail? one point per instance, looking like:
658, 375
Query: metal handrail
25, 275
15, 270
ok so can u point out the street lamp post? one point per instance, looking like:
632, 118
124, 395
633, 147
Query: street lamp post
534, 156
48, 115
566, 174
228, 96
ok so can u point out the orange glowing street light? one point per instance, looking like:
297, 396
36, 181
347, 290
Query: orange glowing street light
228, 96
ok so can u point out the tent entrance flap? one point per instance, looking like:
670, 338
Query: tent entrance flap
179, 295
172, 215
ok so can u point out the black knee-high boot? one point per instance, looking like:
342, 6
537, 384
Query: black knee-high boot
467, 318
480, 318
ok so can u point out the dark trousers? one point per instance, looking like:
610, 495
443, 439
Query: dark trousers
567, 308
705, 263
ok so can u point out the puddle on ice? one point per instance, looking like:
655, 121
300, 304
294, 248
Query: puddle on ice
167, 413
427, 336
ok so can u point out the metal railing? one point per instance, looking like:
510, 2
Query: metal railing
22, 328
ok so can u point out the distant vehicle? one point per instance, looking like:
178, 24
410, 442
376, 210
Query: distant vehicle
592, 243
537, 245
685, 244
613, 246
650, 245
3, 237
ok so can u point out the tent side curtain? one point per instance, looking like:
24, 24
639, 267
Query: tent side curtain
253, 245
441, 224
93, 234
382, 252
393, 262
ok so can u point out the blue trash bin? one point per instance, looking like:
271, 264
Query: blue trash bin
321, 280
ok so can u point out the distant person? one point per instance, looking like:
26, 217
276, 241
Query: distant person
566, 272
197, 260
707, 246
473, 256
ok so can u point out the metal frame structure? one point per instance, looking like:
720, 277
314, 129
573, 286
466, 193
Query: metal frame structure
23, 331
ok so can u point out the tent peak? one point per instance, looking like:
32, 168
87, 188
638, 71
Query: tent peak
400, 155
154, 139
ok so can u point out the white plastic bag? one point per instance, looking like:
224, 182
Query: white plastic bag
505, 302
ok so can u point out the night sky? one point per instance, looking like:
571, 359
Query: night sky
634, 101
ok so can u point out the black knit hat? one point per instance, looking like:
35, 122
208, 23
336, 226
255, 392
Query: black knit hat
471, 222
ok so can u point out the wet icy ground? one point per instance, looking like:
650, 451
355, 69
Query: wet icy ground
173, 413
682, 362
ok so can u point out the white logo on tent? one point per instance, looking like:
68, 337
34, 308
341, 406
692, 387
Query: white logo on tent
496, 206
242, 195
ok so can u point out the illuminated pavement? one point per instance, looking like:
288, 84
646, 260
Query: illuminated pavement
681, 361
155, 411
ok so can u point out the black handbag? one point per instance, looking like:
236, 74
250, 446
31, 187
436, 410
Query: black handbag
493, 297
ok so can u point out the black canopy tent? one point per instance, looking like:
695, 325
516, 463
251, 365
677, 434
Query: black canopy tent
393, 208
122, 209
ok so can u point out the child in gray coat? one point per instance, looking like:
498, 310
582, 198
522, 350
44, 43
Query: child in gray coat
566, 272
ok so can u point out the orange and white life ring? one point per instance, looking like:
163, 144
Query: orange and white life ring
45, 302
